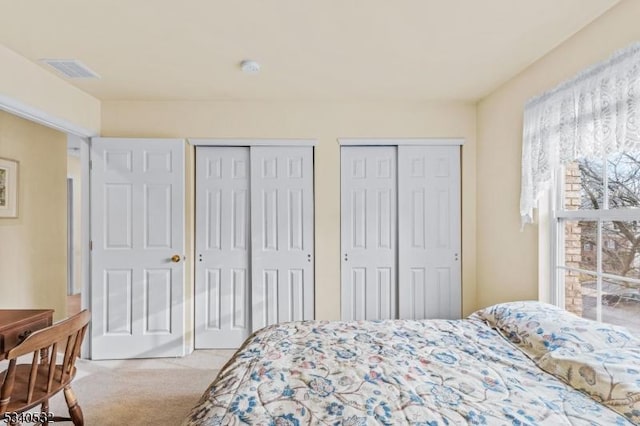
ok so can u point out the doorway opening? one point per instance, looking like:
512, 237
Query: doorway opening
74, 226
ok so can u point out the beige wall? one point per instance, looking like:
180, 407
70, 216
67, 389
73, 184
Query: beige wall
507, 258
324, 121
33, 255
27, 83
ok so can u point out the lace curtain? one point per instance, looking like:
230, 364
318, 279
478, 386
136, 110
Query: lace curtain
592, 114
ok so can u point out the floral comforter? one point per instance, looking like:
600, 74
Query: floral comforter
432, 372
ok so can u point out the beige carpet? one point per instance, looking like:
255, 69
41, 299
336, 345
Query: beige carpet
142, 392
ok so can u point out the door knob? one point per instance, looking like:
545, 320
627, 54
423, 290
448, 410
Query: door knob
175, 258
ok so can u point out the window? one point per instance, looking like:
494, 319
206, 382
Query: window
596, 235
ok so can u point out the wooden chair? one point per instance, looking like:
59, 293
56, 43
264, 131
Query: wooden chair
24, 386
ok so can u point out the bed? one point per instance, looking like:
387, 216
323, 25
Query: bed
521, 363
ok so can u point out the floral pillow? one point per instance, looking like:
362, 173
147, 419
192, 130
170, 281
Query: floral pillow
611, 377
538, 328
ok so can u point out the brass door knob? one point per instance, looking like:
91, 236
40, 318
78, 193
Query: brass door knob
175, 258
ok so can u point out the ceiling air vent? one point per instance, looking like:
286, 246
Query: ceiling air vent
70, 68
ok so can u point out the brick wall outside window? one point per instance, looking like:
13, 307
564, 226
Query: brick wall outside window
573, 245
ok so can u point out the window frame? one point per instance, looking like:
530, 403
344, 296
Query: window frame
558, 215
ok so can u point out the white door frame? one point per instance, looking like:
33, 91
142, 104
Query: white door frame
37, 115
85, 230
251, 142
400, 141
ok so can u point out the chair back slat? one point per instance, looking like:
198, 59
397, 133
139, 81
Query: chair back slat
52, 365
68, 360
33, 375
5, 391
78, 344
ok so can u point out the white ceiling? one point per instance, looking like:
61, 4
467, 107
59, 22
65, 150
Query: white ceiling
309, 50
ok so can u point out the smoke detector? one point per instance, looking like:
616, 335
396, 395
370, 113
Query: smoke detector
250, 67
70, 68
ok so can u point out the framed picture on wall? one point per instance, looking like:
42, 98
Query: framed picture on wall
8, 188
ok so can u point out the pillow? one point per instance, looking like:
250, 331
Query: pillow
538, 328
601, 360
611, 377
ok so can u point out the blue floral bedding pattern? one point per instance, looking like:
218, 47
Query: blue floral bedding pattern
601, 360
434, 372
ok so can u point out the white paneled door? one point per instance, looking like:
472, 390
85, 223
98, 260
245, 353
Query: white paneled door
282, 234
368, 221
254, 240
429, 229
400, 231
137, 235
222, 288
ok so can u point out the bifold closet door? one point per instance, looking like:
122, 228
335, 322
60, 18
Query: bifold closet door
368, 221
429, 232
222, 288
282, 234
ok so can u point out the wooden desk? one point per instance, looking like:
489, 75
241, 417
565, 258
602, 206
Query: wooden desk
17, 324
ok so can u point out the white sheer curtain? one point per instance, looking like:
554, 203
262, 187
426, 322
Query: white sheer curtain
592, 114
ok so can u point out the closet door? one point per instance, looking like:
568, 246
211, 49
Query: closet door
222, 292
368, 221
429, 232
282, 234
